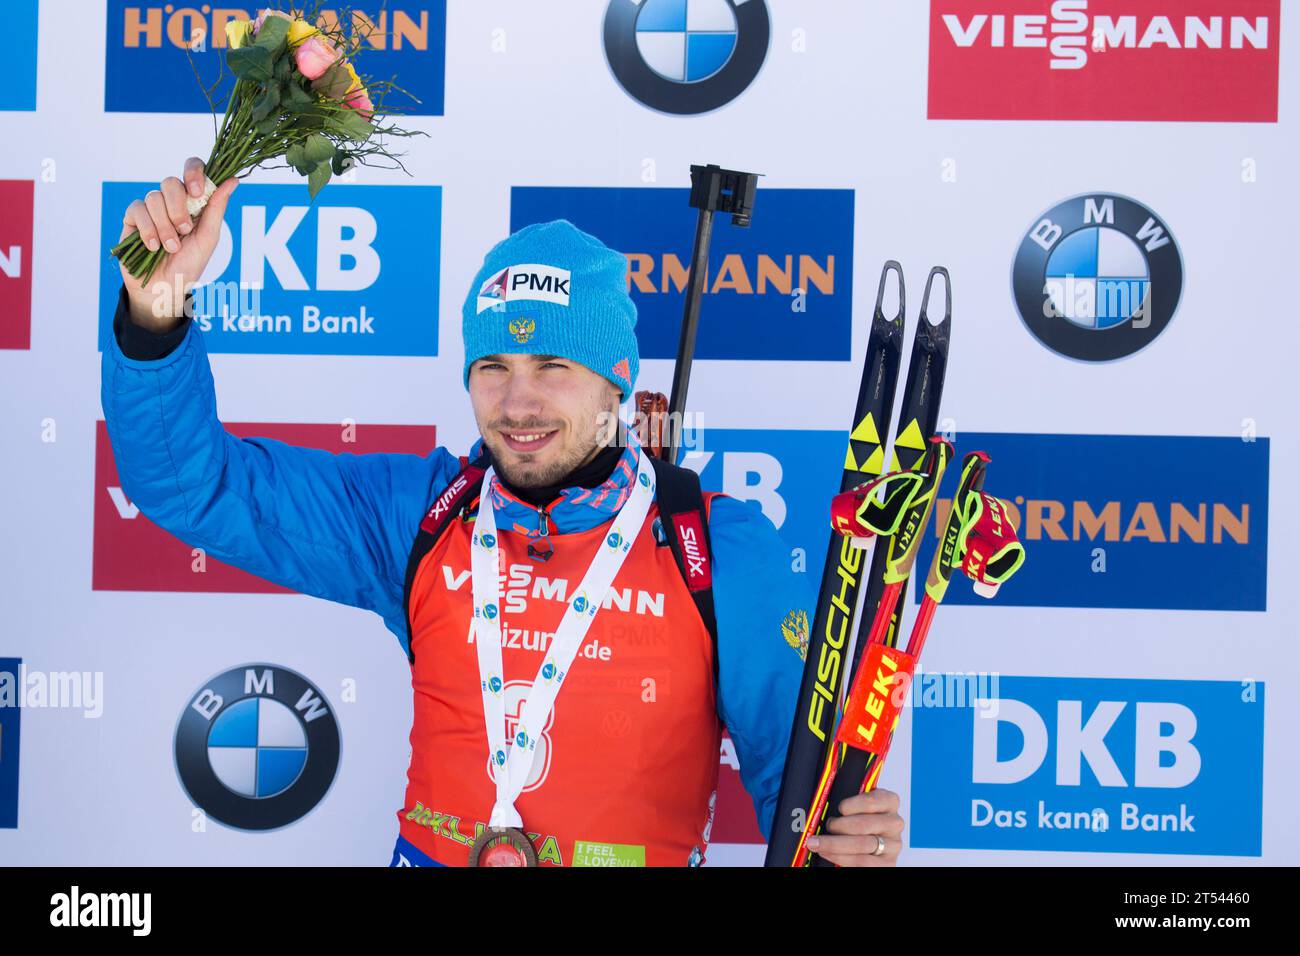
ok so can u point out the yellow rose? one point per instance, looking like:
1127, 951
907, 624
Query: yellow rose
237, 33
300, 30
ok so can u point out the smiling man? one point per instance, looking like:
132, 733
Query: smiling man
580, 619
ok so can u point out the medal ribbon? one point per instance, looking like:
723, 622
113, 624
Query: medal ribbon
512, 763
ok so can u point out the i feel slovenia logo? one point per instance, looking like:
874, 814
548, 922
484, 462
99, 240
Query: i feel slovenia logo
1097, 277
257, 747
686, 56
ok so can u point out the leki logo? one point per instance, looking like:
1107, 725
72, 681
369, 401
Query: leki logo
1104, 59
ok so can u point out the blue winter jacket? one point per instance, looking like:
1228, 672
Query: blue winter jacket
341, 527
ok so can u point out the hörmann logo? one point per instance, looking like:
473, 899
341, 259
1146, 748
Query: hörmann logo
403, 38
781, 289
1131, 521
1104, 60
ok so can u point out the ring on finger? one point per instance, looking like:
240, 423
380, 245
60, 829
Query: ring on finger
880, 846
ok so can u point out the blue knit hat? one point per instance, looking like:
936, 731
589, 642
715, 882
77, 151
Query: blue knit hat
552, 289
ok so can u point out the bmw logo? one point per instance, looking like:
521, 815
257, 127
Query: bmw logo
686, 56
257, 747
1097, 277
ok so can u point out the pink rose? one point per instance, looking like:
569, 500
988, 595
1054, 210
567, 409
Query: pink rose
359, 100
261, 18
315, 56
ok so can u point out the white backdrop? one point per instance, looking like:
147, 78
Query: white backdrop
840, 102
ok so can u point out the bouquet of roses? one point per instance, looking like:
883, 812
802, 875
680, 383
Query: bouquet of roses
296, 95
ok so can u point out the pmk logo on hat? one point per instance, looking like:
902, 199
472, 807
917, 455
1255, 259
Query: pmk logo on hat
527, 280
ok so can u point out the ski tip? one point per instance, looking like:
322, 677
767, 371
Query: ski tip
891, 266
926, 320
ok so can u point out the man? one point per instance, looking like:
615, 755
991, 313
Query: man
568, 684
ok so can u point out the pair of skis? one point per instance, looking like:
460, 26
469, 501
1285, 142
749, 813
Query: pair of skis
977, 537
843, 578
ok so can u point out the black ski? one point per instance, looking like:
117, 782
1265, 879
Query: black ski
844, 571
917, 421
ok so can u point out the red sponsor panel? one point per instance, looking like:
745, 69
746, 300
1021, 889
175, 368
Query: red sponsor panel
16, 202
1154, 60
733, 820
131, 553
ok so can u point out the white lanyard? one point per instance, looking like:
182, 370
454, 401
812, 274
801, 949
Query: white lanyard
511, 765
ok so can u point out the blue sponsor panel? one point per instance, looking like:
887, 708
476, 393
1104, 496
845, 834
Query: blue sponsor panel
18, 92
1088, 765
801, 239
1127, 521
154, 50
11, 692
790, 474
354, 273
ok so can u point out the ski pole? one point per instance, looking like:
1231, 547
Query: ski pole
979, 538
905, 537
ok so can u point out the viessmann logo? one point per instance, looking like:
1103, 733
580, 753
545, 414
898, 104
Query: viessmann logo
402, 38
1213, 60
131, 553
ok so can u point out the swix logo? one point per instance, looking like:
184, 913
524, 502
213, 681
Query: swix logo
131, 553
331, 277
519, 584
403, 38
445, 500
691, 534
529, 281
16, 201
1130, 766
1213, 60
1191, 513
795, 259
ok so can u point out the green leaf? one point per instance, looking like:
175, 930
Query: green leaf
296, 97
267, 104
296, 156
268, 125
351, 125
317, 179
251, 63
318, 149
273, 35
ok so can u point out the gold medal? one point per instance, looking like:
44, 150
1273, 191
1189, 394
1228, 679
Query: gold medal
502, 846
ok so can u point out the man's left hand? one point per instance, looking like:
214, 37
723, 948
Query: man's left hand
850, 838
